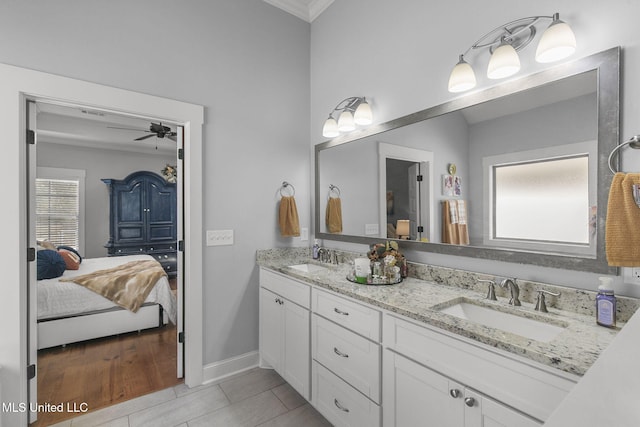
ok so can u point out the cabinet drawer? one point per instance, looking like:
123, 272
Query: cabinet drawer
353, 358
534, 390
341, 404
360, 319
292, 290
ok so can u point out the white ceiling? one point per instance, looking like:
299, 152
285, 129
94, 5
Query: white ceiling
307, 10
85, 127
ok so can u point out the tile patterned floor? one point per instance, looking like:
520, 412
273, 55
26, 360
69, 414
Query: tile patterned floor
259, 397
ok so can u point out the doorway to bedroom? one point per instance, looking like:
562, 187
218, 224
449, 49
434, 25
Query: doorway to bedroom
107, 198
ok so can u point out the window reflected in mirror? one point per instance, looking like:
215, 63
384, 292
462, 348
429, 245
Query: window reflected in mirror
543, 202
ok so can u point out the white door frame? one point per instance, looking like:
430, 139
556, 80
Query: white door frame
18, 85
392, 151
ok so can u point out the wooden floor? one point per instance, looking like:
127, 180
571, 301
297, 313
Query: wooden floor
105, 371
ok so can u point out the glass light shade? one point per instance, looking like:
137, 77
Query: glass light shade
504, 62
363, 115
556, 43
462, 77
345, 122
330, 128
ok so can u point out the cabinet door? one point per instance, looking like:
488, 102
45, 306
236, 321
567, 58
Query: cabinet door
417, 396
160, 211
271, 336
128, 212
495, 414
297, 357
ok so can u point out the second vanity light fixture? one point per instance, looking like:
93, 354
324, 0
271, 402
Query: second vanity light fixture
556, 43
353, 111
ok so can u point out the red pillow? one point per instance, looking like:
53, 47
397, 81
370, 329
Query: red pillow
70, 259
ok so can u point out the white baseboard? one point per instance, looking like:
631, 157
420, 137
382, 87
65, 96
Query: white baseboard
217, 371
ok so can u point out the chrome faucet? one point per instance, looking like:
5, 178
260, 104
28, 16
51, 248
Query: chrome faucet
491, 292
541, 305
513, 289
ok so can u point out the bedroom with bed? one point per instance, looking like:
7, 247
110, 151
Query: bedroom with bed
106, 219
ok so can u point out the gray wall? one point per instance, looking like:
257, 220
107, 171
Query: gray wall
99, 164
403, 54
247, 63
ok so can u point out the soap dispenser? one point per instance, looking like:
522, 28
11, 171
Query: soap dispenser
606, 303
316, 249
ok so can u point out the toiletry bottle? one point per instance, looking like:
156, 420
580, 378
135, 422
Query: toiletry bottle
316, 249
606, 304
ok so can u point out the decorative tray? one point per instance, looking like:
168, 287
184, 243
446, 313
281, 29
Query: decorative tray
375, 281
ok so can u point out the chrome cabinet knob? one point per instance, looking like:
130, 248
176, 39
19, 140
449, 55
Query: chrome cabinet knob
455, 393
469, 401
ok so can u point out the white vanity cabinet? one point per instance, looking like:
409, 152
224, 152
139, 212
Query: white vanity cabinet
420, 361
346, 366
284, 329
417, 394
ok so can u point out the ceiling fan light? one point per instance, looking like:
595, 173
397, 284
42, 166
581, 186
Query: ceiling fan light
557, 42
330, 128
363, 115
345, 122
504, 62
462, 77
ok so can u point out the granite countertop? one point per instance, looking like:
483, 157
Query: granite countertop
574, 350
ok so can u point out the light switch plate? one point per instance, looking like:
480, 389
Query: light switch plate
304, 234
219, 237
371, 229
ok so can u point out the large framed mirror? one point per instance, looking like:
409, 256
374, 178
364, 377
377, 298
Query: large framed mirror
516, 172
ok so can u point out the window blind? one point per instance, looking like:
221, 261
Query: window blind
57, 211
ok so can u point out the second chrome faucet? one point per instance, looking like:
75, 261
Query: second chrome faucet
513, 289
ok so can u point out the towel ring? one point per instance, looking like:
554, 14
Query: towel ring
633, 142
334, 189
285, 184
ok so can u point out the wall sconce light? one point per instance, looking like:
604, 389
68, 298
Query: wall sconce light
353, 111
556, 43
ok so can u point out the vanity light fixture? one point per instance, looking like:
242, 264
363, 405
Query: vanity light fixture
504, 42
354, 111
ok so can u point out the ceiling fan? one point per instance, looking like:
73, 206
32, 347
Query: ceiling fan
155, 129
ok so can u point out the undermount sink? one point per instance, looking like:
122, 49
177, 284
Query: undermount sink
526, 327
308, 268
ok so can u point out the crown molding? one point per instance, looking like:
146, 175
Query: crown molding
307, 10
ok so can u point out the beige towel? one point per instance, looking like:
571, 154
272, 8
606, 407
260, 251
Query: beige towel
454, 222
622, 234
334, 215
288, 217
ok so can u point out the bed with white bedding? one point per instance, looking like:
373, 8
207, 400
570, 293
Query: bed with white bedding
68, 312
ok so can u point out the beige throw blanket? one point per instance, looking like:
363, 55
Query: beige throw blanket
127, 285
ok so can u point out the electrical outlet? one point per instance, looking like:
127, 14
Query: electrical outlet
219, 237
631, 275
304, 234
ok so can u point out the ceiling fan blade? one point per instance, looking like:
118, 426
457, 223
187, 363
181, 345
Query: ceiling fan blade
144, 137
172, 136
137, 130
